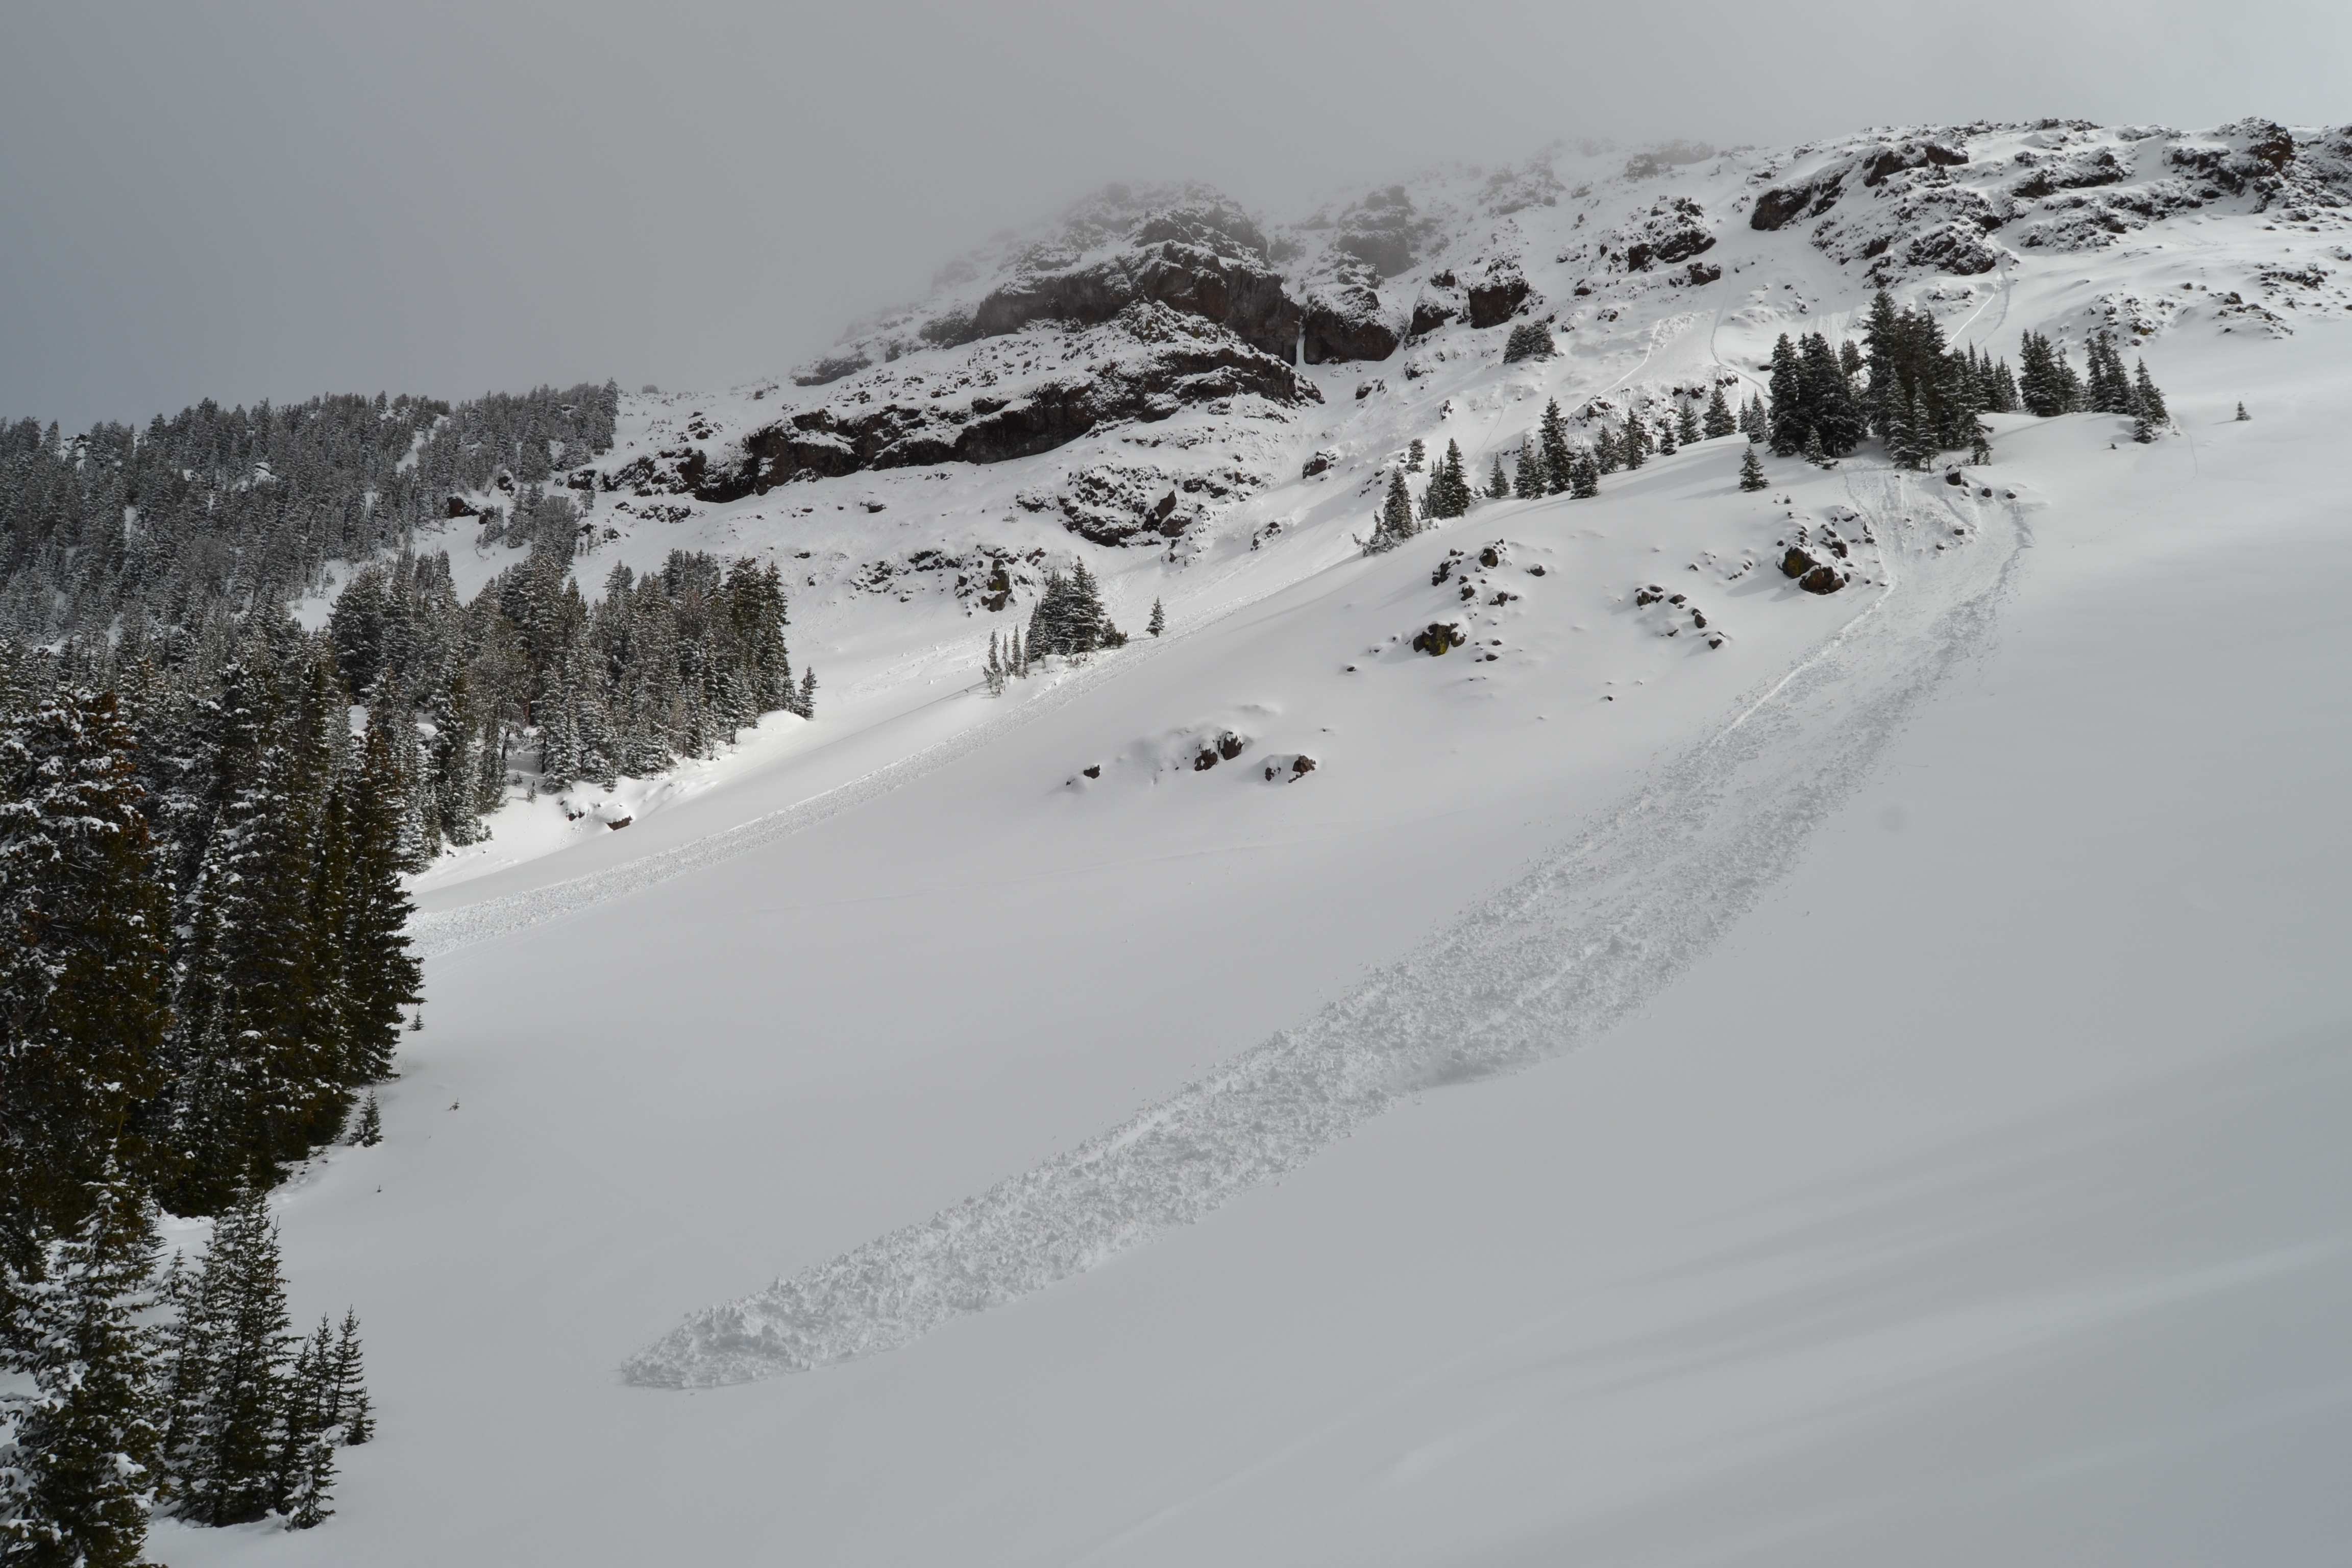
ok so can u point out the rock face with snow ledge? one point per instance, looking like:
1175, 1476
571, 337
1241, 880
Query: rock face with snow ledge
1157, 360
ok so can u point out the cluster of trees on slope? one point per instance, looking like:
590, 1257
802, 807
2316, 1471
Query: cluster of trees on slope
246, 506
1068, 619
667, 665
1902, 383
201, 965
1922, 398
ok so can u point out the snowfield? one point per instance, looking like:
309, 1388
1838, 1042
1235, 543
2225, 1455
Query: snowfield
1701, 1071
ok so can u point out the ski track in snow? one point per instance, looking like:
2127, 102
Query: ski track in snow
1593, 929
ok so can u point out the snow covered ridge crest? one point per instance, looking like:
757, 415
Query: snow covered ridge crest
1169, 344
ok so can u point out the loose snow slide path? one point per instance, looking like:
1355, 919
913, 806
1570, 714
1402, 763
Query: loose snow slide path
1596, 927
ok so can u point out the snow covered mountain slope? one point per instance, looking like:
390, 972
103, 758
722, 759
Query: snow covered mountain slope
1144, 348
1950, 1169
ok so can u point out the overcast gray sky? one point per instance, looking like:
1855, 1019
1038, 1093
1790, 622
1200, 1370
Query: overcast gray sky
245, 201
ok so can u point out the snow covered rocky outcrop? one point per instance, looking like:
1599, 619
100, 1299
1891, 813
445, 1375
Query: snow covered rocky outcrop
1170, 387
1171, 358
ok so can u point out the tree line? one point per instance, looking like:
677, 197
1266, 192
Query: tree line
202, 964
1901, 383
246, 506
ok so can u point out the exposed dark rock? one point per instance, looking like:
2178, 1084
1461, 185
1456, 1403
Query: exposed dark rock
1428, 315
461, 508
1493, 300
1319, 463
1438, 638
830, 368
1205, 761
913, 431
1348, 323
1302, 766
1093, 772
1778, 209
1796, 564
1677, 246
1240, 294
1822, 580
1229, 745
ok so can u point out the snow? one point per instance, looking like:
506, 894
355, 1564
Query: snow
1871, 1091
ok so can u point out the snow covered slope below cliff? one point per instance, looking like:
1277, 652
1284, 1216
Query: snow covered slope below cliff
1171, 446
1869, 1090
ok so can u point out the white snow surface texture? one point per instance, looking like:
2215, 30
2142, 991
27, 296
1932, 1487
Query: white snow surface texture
1700, 1073
1593, 929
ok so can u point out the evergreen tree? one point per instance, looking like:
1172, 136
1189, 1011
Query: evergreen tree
2000, 391
1584, 475
347, 1398
1633, 442
1687, 425
1068, 617
1751, 472
1911, 443
1813, 453
1528, 339
1719, 420
369, 1132
1605, 455
1885, 334
2242, 415
2037, 384
308, 1433
992, 674
1499, 483
2108, 387
1416, 456
1449, 489
1851, 366
1753, 421
230, 1357
1159, 621
2146, 401
78, 1447
1788, 421
1394, 524
807, 705
1828, 410
1527, 482
1667, 444
381, 978
1551, 434
82, 1011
